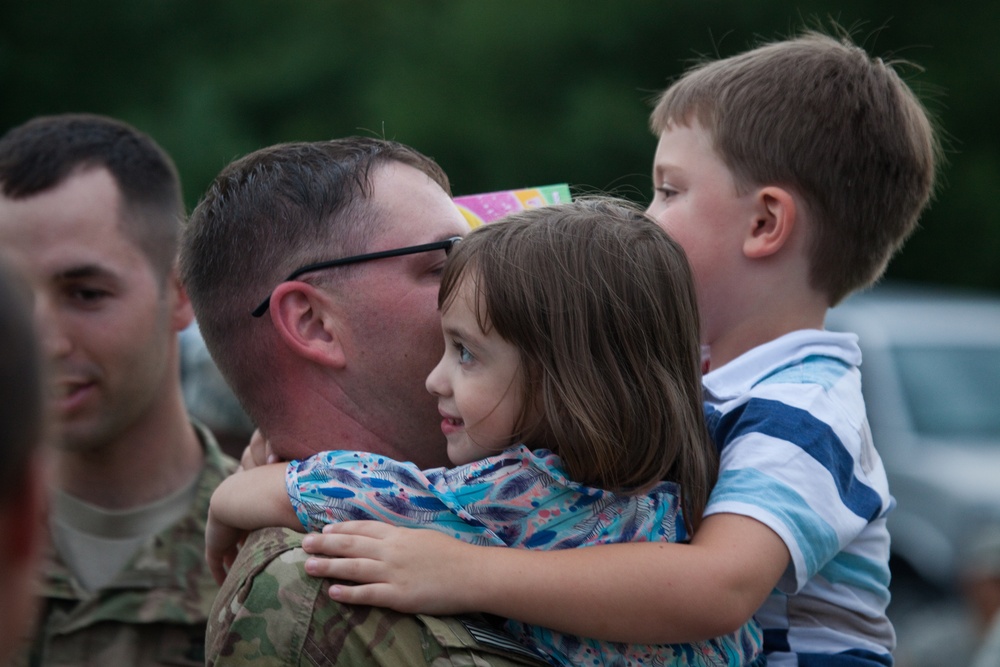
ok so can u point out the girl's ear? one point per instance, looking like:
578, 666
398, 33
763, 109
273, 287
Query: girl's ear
773, 223
308, 322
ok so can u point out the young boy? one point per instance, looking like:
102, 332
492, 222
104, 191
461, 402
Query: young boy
790, 174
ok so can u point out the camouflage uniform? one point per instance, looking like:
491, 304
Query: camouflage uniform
270, 612
153, 613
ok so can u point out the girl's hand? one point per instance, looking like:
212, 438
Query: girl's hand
245, 501
222, 543
257, 453
409, 570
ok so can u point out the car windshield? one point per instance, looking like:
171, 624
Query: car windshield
952, 391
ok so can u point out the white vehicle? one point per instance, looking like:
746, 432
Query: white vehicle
931, 380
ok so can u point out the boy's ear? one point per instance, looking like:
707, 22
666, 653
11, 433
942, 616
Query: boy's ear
308, 322
774, 221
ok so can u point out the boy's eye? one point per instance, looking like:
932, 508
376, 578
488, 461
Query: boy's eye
665, 191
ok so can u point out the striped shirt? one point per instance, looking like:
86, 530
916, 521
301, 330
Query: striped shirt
797, 455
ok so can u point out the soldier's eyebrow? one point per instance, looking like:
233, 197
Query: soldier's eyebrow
84, 271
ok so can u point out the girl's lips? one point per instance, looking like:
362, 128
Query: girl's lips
451, 424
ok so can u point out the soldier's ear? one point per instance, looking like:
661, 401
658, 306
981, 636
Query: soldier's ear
309, 323
181, 312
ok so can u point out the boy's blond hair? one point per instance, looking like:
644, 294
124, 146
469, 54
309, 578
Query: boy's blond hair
840, 129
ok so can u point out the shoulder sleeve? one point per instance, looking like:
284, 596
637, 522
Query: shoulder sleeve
801, 468
271, 614
263, 612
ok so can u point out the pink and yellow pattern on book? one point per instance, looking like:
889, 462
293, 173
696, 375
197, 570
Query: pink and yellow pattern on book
489, 206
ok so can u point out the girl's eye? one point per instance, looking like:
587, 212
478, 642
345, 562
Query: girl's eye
464, 356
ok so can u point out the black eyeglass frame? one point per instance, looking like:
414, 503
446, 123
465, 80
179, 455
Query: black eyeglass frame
445, 245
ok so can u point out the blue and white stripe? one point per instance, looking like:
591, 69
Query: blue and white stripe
797, 455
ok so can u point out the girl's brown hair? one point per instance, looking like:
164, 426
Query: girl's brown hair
600, 303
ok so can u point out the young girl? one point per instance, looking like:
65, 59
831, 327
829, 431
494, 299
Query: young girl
569, 391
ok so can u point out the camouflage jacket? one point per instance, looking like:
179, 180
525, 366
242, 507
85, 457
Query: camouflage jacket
155, 611
270, 613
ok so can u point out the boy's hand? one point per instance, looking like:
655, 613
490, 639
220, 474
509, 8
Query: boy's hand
222, 543
409, 570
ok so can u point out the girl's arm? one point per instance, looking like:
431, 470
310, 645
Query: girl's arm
257, 452
646, 593
245, 501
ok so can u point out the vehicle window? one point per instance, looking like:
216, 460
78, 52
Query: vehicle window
952, 391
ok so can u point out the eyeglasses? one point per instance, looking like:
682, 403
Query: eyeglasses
445, 245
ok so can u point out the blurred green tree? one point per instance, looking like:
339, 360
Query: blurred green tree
502, 94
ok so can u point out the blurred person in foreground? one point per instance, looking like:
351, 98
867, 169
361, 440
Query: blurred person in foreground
23, 496
90, 212
962, 630
324, 342
981, 589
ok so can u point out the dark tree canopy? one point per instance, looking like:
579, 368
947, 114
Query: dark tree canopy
502, 94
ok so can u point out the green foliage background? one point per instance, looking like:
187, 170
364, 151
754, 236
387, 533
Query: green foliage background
502, 94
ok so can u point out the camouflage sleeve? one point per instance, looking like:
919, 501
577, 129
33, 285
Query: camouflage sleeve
269, 612
250, 623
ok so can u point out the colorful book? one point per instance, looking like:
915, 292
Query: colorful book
489, 206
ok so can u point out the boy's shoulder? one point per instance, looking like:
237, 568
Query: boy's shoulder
803, 389
806, 357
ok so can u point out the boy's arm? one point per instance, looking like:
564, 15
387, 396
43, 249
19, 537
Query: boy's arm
649, 593
245, 501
